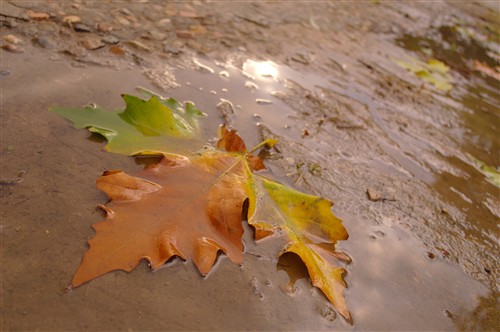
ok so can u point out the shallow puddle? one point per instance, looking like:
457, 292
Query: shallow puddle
395, 281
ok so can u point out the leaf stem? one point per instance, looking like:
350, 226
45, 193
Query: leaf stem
269, 142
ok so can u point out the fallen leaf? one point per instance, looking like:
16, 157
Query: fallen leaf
189, 208
487, 70
155, 126
230, 141
492, 174
432, 71
192, 207
310, 228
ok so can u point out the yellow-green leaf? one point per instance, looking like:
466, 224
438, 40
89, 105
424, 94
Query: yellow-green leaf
154, 126
432, 71
492, 174
310, 228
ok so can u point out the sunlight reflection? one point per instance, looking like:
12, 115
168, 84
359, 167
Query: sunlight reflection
261, 69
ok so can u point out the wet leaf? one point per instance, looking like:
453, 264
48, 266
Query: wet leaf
192, 207
155, 126
310, 228
492, 174
487, 70
432, 71
183, 207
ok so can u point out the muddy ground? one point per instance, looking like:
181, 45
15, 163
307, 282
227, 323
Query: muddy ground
322, 77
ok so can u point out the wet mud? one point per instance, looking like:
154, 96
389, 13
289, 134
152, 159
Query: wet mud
396, 155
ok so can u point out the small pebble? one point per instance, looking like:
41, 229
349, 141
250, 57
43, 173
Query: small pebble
166, 24
373, 194
12, 48
42, 42
12, 39
92, 43
37, 15
104, 27
117, 50
110, 39
185, 34
172, 50
139, 45
263, 101
125, 11
80, 27
10, 23
5, 73
71, 19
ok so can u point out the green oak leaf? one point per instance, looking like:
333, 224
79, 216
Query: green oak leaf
154, 126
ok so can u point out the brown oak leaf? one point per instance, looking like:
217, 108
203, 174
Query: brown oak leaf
186, 207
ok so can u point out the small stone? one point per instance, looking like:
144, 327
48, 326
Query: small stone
185, 34
42, 42
110, 39
37, 15
92, 43
125, 11
154, 35
80, 27
327, 313
171, 49
5, 73
77, 51
12, 39
251, 85
117, 50
71, 19
12, 48
139, 45
263, 101
300, 58
373, 194
104, 27
9, 23
165, 23
123, 21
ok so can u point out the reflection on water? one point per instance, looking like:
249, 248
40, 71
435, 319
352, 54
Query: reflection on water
260, 69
